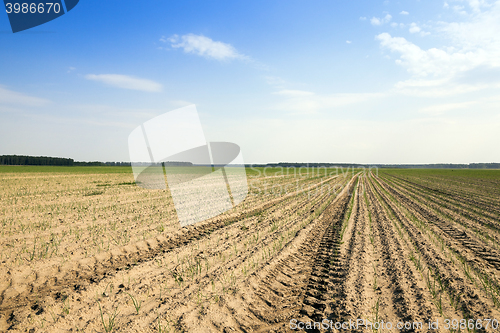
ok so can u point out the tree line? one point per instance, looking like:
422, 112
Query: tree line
52, 161
392, 166
35, 160
59, 161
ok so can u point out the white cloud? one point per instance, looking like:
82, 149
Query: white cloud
421, 88
461, 66
414, 28
204, 46
362, 18
307, 102
15, 98
380, 21
126, 82
479, 32
439, 109
431, 62
275, 81
109, 113
404, 12
348, 41
476, 5
180, 103
421, 83
294, 93
460, 10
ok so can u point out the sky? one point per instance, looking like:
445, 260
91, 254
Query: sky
348, 81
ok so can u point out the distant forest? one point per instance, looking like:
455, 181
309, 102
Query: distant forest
54, 161
44, 160
392, 166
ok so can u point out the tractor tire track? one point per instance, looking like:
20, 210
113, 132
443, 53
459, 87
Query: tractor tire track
470, 304
299, 284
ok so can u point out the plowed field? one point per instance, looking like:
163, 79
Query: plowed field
358, 251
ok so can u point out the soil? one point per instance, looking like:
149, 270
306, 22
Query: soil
391, 249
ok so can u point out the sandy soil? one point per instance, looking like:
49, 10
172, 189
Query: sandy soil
391, 249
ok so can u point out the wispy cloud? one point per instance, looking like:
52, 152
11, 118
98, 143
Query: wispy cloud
404, 12
470, 62
204, 46
439, 109
476, 5
473, 42
180, 103
433, 88
431, 62
275, 81
306, 102
15, 98
415, 28
126, 82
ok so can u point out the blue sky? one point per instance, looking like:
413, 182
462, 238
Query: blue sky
310, 81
